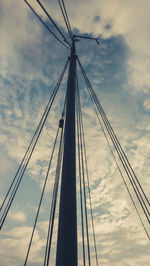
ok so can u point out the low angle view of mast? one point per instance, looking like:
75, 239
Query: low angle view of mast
71, 169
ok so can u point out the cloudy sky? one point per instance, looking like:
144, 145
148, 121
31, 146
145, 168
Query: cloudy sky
119, 70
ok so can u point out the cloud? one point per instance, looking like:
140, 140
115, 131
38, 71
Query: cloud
119, 71
17, 216
15, 241
146, 104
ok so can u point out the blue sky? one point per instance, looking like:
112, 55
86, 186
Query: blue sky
30, 64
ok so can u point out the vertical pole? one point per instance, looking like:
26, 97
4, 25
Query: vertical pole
67, 226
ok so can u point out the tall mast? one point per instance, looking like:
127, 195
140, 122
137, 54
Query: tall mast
67, 226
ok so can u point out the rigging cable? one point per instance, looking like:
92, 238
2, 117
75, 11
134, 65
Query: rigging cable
88, 185
93, 93
55, 190
28, 154
126, 167
31, 142
54, 202
41, 198
119, 168
83, 172
115, 140
81, 196
45, 24
43, 8
65, 16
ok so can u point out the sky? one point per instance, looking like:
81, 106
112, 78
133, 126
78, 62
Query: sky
31, 61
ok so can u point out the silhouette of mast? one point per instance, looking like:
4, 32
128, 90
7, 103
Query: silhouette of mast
67, 228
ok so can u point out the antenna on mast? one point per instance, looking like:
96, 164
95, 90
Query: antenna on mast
86, 37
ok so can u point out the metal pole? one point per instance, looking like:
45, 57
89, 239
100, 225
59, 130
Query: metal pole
67, 226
